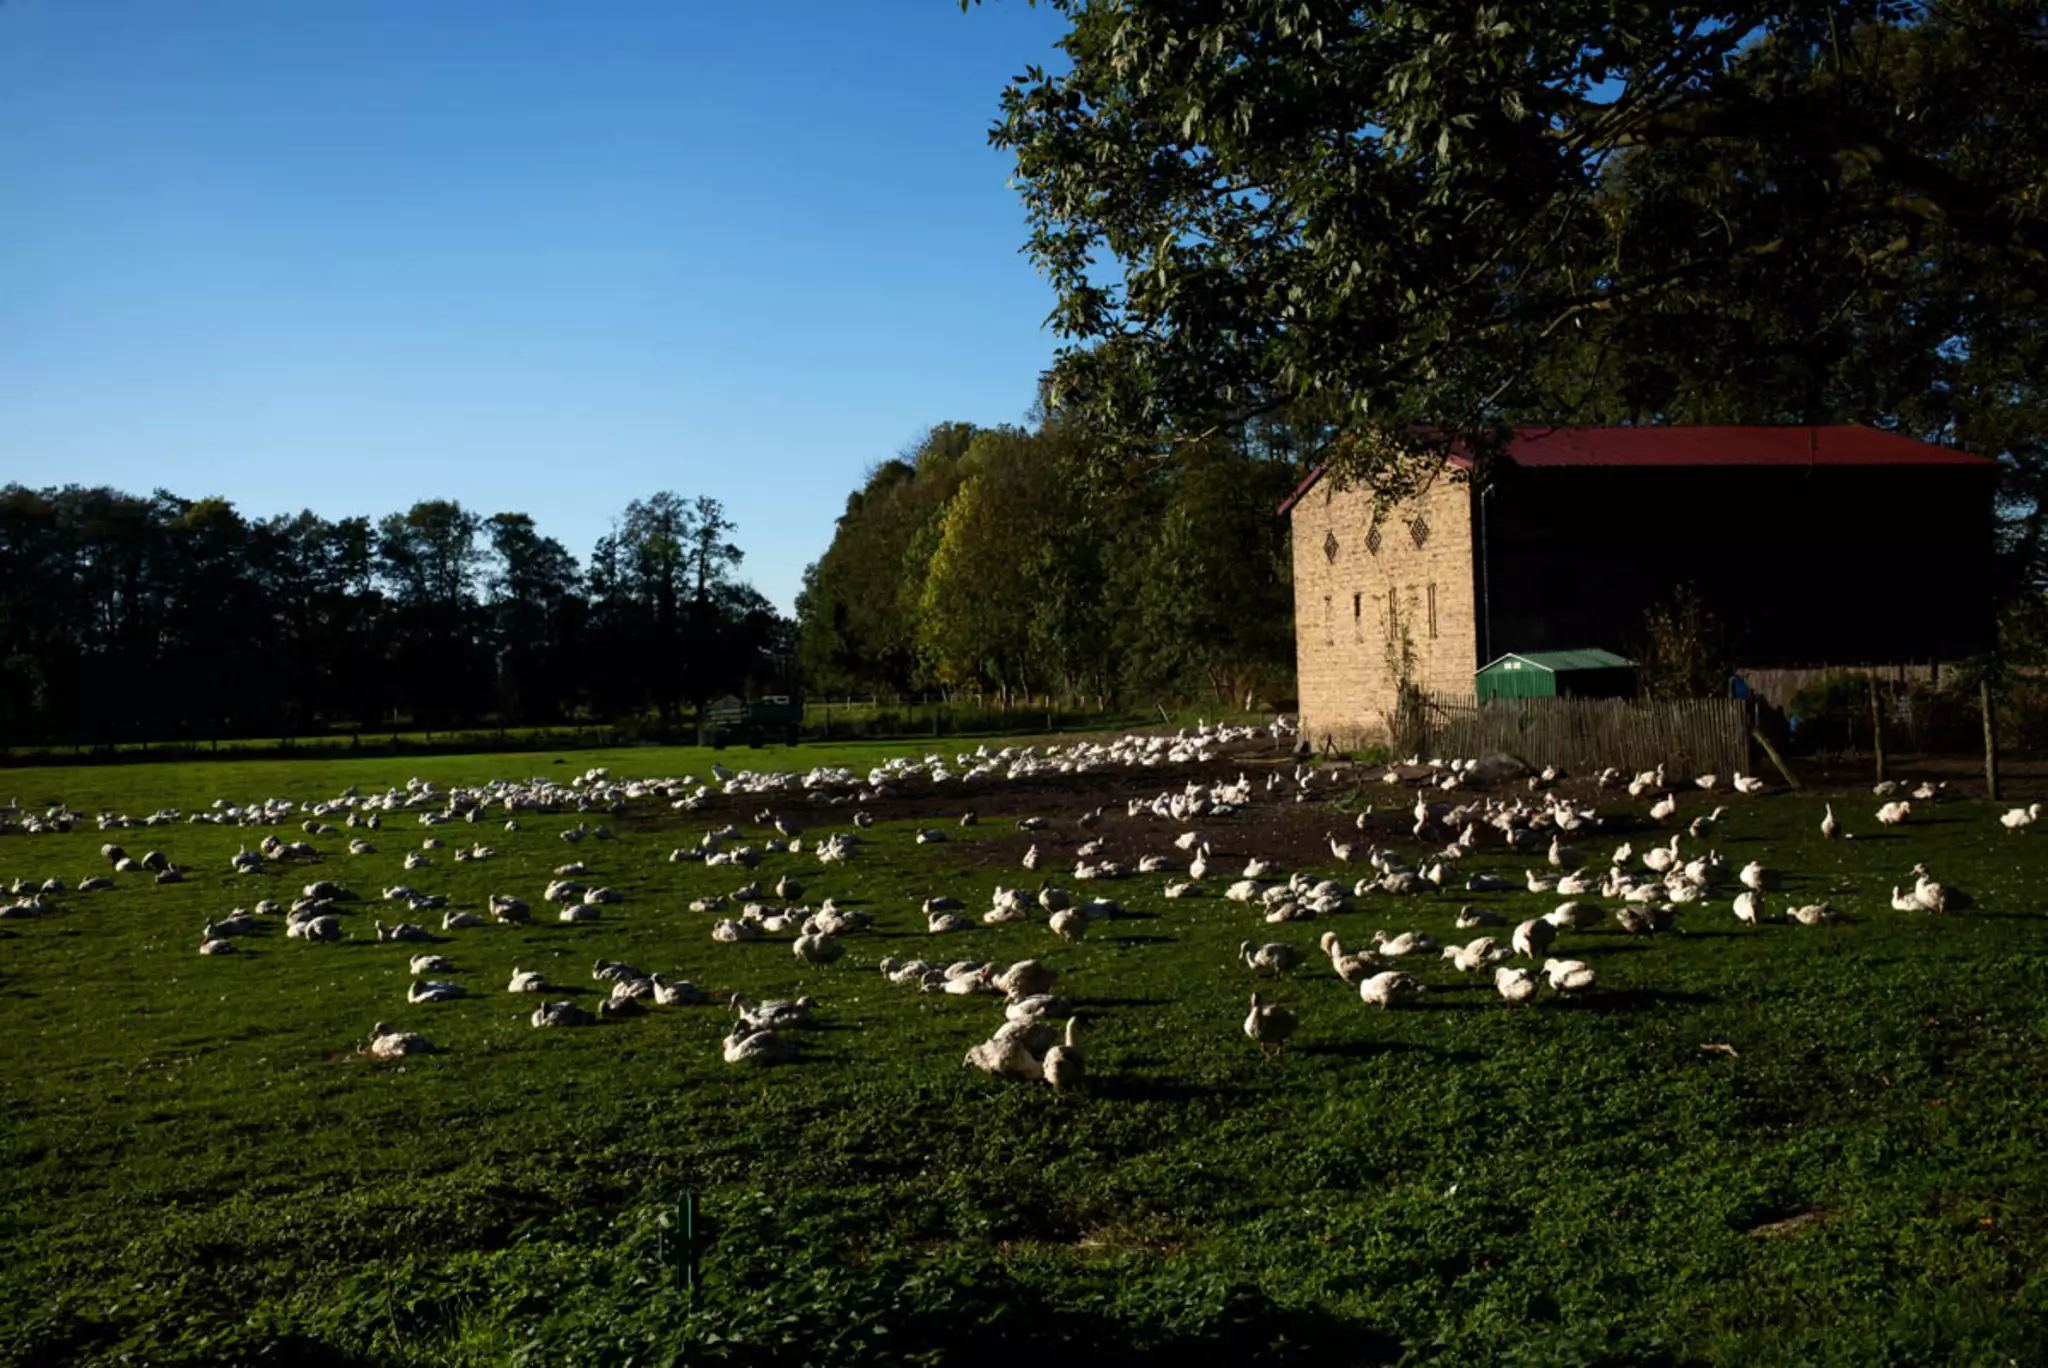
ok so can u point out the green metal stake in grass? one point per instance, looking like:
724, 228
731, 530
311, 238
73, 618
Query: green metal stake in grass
686, 1221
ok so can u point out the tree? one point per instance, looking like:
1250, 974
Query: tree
167, 617
1399, 213
858, 612
1685, 651
973, 612
653, 567
711, 560
533, 587
428, 558
1214, 590
1039, 559
212, 622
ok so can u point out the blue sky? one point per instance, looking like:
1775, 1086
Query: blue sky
536, 257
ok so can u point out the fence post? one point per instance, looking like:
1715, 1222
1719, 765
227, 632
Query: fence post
1877, 728
1776, 759
1990, 739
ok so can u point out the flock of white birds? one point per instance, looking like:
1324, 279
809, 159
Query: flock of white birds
1645, 891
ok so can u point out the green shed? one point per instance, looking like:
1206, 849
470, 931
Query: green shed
1556, 674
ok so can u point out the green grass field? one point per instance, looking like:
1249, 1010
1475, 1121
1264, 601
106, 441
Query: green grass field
199, 1167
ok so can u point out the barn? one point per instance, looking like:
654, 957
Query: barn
1820, 547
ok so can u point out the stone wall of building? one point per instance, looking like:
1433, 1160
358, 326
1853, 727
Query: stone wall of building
1377, 600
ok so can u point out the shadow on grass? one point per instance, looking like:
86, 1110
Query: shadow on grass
1121, 1002
1261, 1333
285, 1351
1145, 1087
1619, 1001
1374, 1049
1436, 999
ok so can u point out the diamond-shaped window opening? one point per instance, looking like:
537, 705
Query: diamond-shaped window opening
1372, 539
1420, 531
1330, 547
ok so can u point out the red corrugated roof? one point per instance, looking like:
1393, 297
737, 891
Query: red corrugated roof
1844, 444
1839, 444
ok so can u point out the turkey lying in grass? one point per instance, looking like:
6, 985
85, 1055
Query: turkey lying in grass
388, 1042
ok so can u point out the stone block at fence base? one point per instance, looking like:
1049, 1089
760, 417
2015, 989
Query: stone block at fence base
1499, 768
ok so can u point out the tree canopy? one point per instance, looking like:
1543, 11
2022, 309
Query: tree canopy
124, 618
1459, 215
1006, 560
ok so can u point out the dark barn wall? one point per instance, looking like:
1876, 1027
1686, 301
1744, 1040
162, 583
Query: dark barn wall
1836, 565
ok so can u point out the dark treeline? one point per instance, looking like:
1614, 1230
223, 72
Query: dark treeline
1005, 561
162, 618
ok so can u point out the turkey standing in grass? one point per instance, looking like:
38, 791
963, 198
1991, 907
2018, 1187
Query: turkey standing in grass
1639, 920
1574, 916
1477, 957
1063, 1066
1533, 938
1388, 989
1004, 1057
1516, 985
1027, 978
1270, 1027
818, 949
1352, 968
1407, 943
1568, 976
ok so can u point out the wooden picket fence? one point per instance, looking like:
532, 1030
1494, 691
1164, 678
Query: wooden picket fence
1688, 736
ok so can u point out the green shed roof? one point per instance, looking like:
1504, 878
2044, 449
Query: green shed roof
1558, 662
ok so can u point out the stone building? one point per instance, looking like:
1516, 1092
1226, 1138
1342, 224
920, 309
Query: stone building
1821, 548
